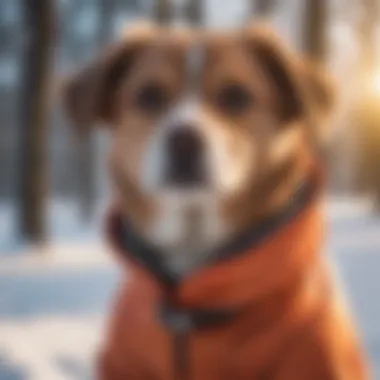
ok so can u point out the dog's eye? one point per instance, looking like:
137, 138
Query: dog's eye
152, 97
234, 99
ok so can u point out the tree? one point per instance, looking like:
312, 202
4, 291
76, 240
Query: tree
162, 11
194, 12
262, 8
368, 114
368, 34
87, 145
315, 29
39, 25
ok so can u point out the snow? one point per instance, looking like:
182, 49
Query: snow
53, 303
50, 348
53, 299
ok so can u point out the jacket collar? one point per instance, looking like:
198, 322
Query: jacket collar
258, 262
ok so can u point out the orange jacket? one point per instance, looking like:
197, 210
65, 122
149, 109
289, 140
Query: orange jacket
267, 313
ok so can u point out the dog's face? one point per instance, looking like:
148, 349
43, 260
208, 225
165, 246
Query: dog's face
209, 130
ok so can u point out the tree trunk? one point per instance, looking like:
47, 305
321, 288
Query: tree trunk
194, 12
162, 11
39, 20
106, 13
262, 8
315, 29
87, 160
368, 34
368, 110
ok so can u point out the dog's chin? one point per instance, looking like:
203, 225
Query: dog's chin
186, 224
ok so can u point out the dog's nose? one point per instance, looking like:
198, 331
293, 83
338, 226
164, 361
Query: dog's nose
185, 149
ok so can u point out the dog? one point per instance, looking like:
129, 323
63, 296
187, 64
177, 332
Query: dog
216, 160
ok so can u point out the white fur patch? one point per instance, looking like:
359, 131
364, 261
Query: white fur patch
226, 169
170, 228
182, 242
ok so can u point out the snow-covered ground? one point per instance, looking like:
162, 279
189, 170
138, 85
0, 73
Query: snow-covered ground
52, 307
53, 304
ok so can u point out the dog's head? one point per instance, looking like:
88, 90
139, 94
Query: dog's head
209, 130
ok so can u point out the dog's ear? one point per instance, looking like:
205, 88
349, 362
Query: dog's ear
279, 65
89, 95
303, 90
